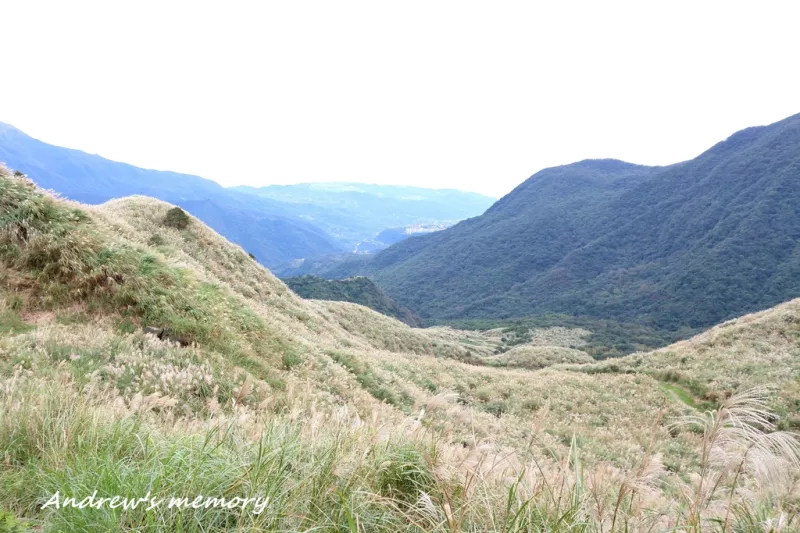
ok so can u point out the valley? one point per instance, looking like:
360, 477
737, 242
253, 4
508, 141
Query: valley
684, 246
399, 267
348, 419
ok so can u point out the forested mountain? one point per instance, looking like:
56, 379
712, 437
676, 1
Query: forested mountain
358, 290
685, 245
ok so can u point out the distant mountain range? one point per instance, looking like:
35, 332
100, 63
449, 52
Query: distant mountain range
278, 224
681, 246
351, 211
687, 245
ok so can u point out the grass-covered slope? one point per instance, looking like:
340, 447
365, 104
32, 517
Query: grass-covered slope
536, 357
340, 418
760, 348
359, 290
687, 245
604, 339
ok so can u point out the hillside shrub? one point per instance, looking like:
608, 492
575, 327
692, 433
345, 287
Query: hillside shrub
403, 474
177, 218
10, 524
291, 359
495, 408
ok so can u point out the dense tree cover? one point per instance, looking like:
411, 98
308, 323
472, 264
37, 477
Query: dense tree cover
687, 245
177, 218
359, 290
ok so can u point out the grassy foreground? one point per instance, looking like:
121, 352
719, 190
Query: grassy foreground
324, 416
337, 472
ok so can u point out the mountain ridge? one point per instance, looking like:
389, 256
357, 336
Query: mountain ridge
609, 239
276, 232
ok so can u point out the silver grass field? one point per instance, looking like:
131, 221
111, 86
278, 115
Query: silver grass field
341, 419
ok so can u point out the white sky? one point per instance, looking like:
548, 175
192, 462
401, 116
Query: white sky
471, 95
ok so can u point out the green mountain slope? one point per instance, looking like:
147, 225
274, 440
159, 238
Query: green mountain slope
686, 245
359, 290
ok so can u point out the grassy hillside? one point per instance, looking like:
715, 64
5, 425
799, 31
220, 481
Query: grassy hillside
606, 338
345, 419
536, 357
268, 229
687, 245
358, 290
761, 348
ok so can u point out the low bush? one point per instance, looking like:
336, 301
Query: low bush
177, 218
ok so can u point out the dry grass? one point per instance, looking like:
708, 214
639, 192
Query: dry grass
536, 357
756, 349
385, 427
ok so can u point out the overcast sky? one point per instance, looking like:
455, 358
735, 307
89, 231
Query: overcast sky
471, 95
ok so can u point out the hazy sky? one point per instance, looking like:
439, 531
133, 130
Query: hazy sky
472, 95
